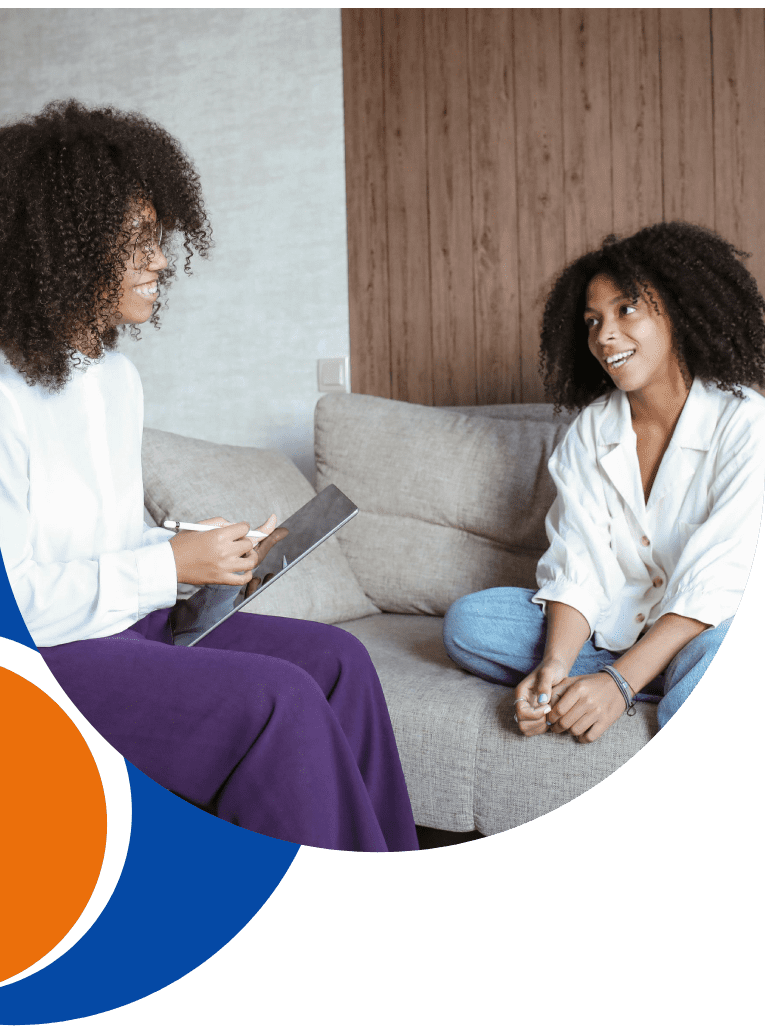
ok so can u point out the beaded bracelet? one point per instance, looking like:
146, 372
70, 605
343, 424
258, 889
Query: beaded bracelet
624, 688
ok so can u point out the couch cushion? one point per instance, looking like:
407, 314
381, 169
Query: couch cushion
190, 479
467, 767
450, 501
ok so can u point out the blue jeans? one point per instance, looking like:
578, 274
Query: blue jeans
499, 635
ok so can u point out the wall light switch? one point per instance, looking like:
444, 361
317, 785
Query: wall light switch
333, 374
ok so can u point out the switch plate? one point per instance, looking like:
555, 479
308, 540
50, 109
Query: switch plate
333, 374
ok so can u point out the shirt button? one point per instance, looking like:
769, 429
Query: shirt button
639, 618
645, 541
658, 581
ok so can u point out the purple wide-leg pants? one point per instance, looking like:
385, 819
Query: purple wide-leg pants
277, 725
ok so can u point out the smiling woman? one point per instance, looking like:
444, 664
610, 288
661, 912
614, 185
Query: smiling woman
659, 487
276, 725
139, 287
69, 249
620, 329
140, 283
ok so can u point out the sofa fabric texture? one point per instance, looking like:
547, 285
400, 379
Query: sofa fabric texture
450, 502
190, 479
466, 765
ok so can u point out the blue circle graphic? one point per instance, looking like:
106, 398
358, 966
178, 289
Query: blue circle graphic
190, 882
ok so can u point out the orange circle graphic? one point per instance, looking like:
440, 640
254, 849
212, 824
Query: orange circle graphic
53, 820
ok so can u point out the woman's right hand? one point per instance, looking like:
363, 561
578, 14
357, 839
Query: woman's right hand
531, 713
224, 556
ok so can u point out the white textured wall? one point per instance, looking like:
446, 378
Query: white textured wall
255, 97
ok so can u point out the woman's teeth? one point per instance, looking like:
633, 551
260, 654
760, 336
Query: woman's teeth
619, 359
147, 291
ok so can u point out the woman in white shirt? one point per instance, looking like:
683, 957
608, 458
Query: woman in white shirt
273, 724
659, 486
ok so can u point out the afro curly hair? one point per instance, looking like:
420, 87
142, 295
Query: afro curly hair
68, 179
711, 300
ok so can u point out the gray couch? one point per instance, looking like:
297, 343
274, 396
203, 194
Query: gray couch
451, 501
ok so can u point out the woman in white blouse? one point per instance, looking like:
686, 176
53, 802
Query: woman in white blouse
659, 486
276, 725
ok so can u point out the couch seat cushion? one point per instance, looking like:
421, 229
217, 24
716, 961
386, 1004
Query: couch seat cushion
466, 765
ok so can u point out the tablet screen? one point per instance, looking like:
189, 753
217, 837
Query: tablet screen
310, 526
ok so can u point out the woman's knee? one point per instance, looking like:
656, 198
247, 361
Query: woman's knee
344, 642
331, 640
688, 667
346, 652
458, 624
474, 620
698, 652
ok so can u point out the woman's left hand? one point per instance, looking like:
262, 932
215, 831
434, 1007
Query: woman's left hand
587, 707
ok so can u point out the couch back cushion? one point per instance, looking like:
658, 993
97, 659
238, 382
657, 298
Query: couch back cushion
190, 479
451, 500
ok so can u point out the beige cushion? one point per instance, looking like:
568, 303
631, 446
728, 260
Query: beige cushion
451, 502
189, 479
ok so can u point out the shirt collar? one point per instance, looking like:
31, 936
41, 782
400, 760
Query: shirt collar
694, 429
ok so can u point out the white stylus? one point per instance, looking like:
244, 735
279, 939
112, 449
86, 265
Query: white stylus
193, 527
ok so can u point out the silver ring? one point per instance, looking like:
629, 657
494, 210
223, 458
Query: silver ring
522, 699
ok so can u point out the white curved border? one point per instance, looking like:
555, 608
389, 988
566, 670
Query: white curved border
29, 664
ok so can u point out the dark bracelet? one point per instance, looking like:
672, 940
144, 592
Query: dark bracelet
624, 688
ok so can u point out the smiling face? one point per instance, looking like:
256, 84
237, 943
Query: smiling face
630, 338
139, 283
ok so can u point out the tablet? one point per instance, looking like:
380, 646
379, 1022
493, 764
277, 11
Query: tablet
311, 525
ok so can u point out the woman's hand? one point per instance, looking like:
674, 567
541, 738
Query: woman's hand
587, 706
541, 683
224, 556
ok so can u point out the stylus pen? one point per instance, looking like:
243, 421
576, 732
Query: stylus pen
193, 527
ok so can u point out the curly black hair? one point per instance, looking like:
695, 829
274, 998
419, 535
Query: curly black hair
69, 177
711, 300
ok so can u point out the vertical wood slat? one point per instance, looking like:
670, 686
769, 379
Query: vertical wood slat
365, 165
686, 96
588, 209
738, 63
409, 245
540, 176
635, 119
493, 178
449, 207
475, 242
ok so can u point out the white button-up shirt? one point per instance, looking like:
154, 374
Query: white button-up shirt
623, 563
80, 559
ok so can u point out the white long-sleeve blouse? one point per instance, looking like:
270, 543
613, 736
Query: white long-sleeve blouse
81, 561
623, 563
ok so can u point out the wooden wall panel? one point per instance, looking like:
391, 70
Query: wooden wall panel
449, 207
739, 130
488, 147
588, 201
635, 119
369, 286
493, 175
686, 105
540, 181
408, 232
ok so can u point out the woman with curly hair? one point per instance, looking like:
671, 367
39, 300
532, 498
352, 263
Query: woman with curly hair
659, 486
274, 724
